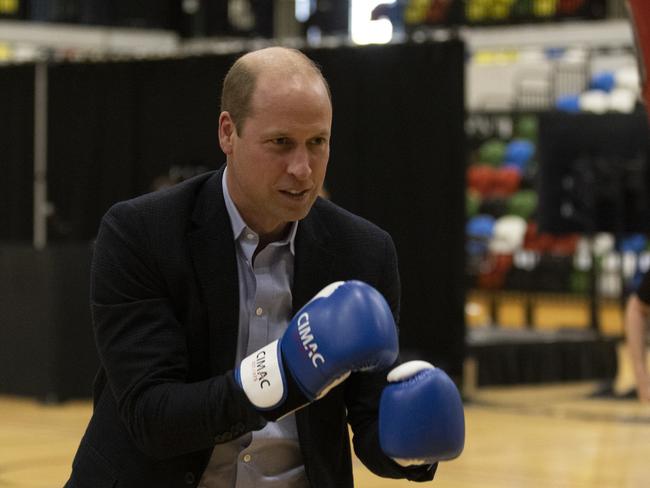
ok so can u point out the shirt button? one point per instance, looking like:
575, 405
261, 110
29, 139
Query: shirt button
259, 311
247, 458
250, 236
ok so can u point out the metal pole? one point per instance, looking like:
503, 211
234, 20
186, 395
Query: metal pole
40, 155
285, 25
594, 292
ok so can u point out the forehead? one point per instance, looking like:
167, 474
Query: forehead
279, 87
299, 99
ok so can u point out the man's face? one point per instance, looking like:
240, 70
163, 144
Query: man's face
277, 163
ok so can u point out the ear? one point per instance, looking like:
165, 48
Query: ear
227, 132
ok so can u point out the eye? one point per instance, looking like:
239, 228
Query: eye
281, 141
319, 141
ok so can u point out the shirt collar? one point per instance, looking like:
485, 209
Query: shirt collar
239, 225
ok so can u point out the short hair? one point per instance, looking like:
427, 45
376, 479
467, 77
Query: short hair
239, 85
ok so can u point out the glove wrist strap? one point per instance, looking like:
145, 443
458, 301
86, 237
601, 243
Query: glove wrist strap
262, 377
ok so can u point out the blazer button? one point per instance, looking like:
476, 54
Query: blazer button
189, 478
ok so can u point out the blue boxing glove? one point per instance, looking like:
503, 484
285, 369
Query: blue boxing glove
421, 419
347, 326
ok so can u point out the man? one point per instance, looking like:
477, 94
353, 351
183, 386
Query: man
637, 312
637, 309
191, 282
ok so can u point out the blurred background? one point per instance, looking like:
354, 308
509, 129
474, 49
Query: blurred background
502, 143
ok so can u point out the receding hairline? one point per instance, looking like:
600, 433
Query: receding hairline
243, 76
281, 60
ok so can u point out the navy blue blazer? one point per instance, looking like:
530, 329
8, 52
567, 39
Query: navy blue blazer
164, 300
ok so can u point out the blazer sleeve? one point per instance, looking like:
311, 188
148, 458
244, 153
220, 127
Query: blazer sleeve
143, 349
363, 391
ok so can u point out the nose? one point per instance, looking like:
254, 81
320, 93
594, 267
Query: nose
299, 164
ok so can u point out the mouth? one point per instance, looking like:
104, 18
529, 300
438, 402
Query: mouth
295, 194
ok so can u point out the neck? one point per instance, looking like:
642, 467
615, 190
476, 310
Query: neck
268, 231
275, 235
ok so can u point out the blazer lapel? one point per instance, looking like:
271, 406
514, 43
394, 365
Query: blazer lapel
313, 261
212, 249
312, 271
213, 253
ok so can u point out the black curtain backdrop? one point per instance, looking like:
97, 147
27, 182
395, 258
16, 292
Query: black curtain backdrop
47, 349
16, 152
93, 147
594, 173
397, 159
115, 127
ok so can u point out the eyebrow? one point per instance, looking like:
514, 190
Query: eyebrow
280, 133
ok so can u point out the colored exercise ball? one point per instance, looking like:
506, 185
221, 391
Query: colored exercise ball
492, 152
568, 103
481, 177
507, 180
523, 203
472, 203
526, 127
519, 152
602, 80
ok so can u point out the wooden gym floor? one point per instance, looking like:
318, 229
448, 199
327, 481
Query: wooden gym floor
533, 437
551, 436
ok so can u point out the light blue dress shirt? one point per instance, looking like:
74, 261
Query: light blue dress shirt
271, 457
